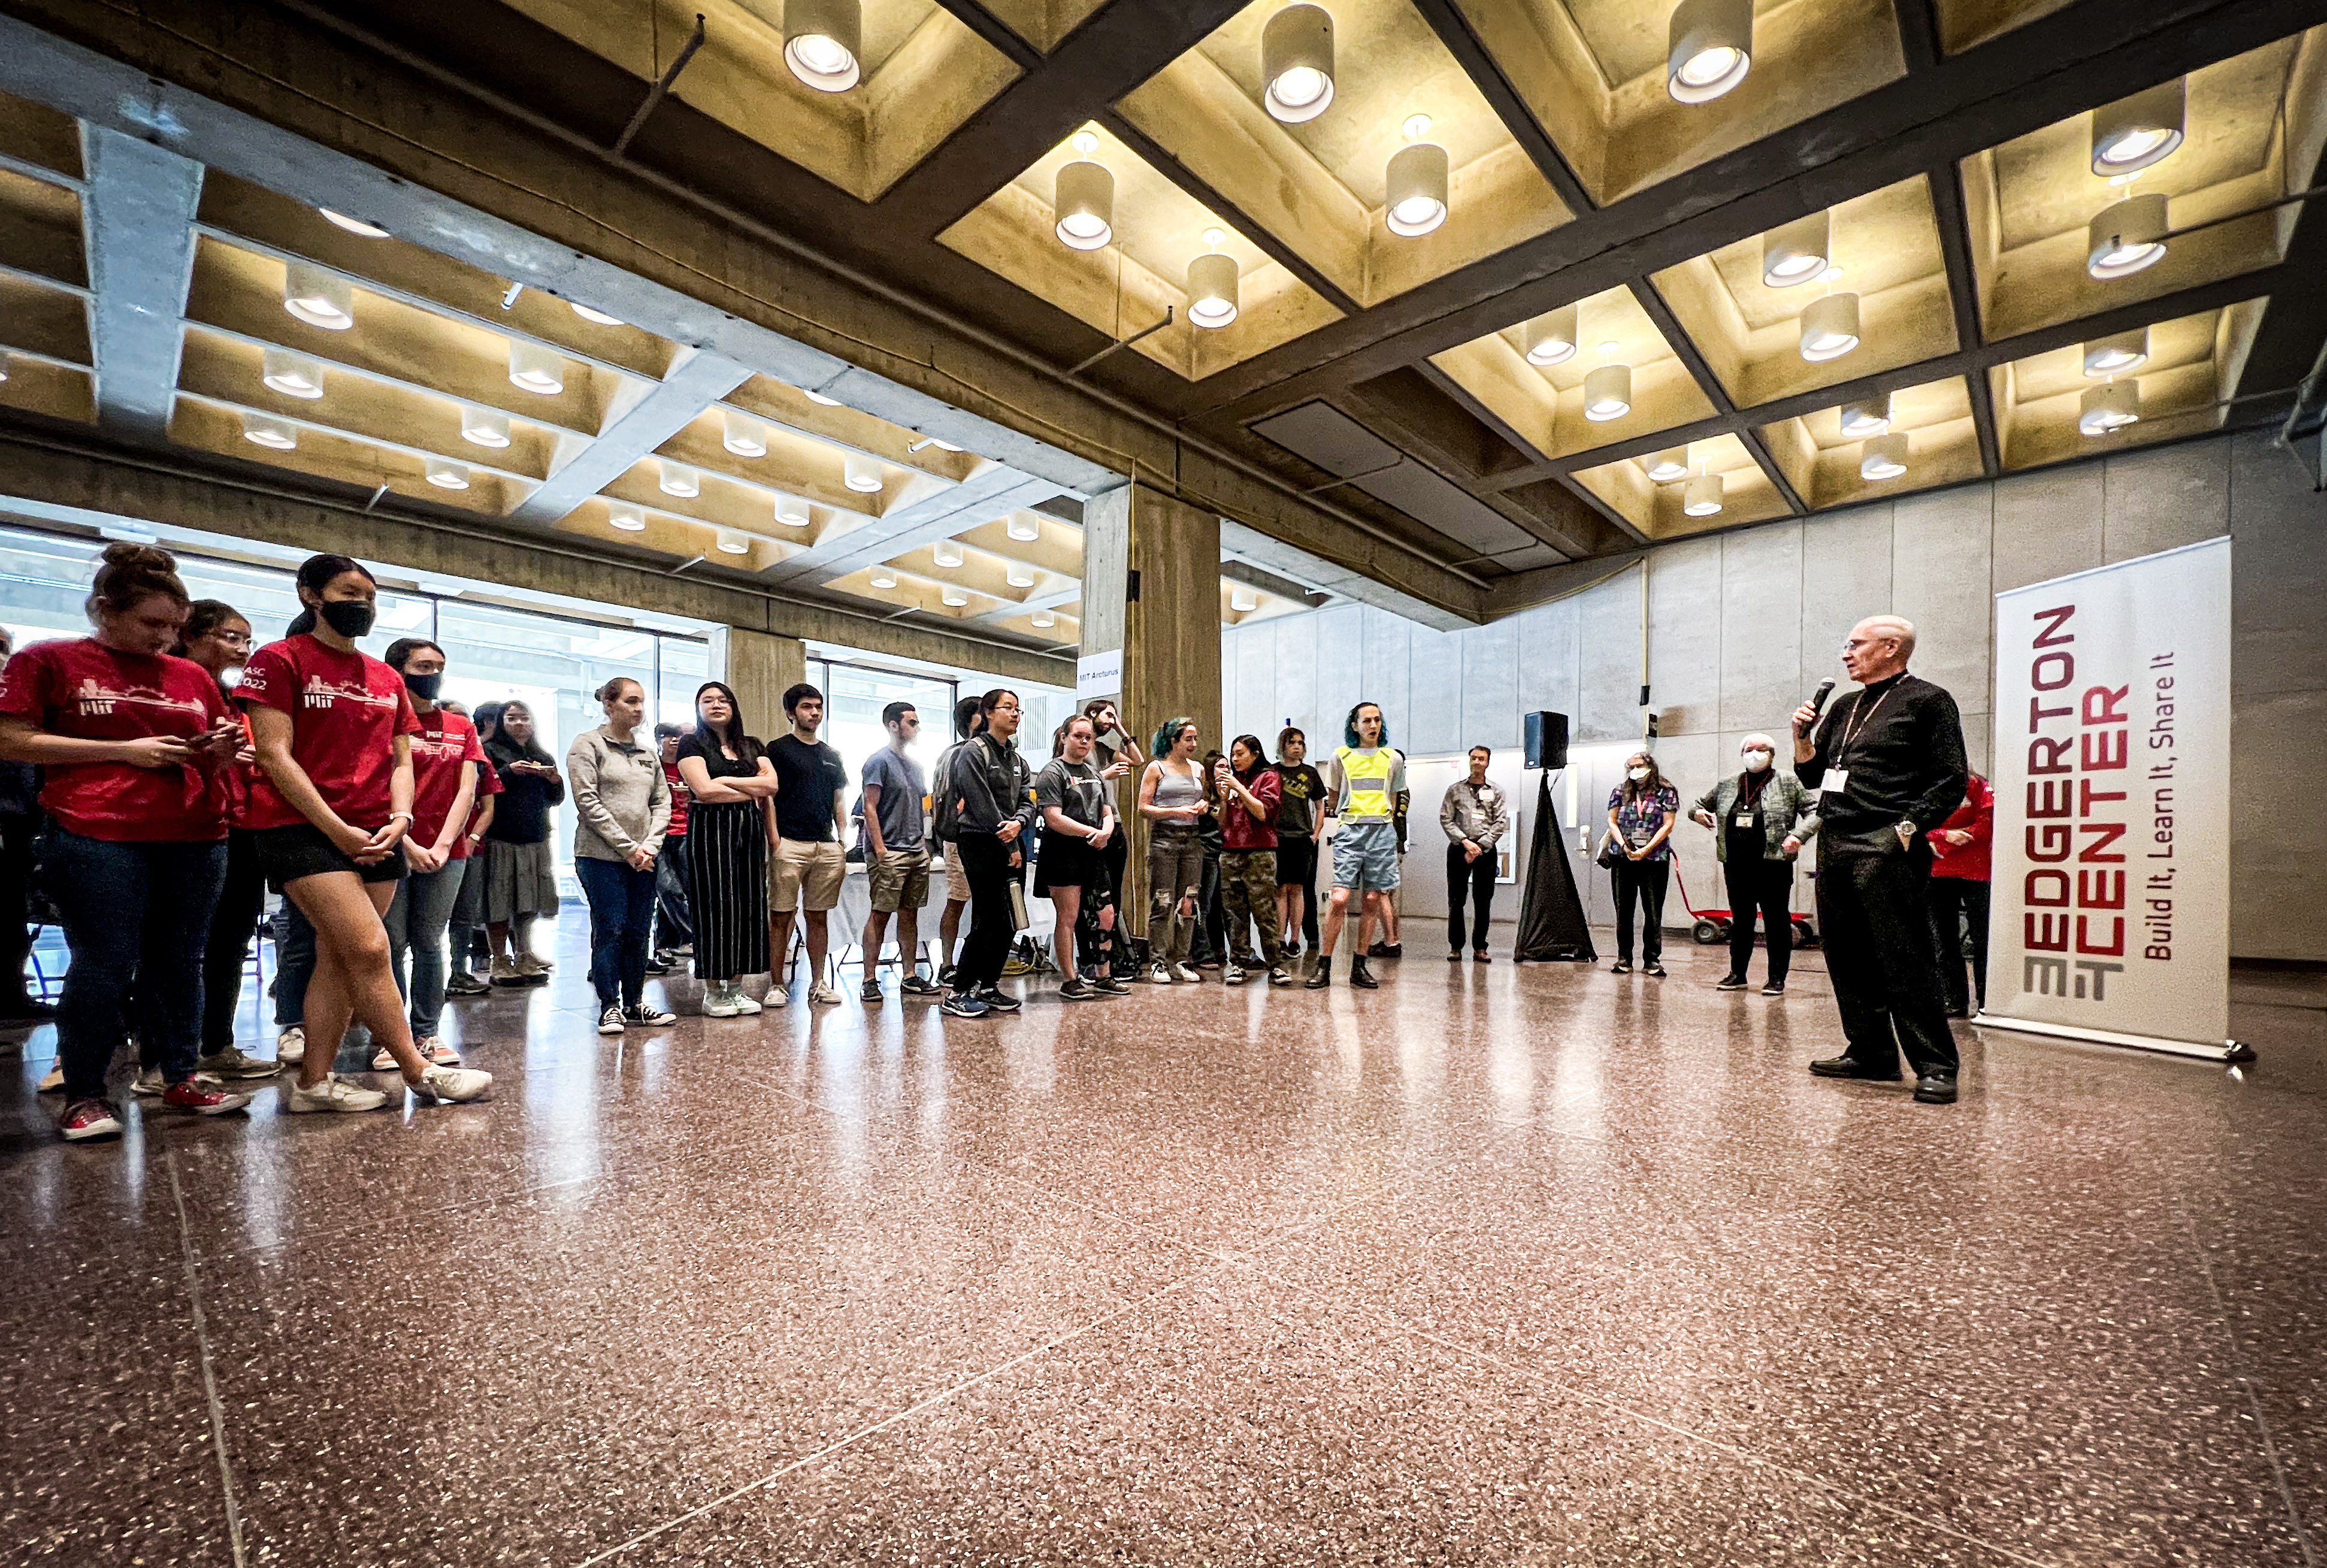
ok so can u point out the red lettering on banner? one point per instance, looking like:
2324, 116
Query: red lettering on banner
2055, 886
2105, 711
2057, 618
2099, 756
2109, 833
2098, 890
2065, 664
2055, 755
2049, 799
2050, 841
2087, 797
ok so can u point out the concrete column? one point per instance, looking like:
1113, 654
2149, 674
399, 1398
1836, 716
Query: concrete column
760, 667
1152, 588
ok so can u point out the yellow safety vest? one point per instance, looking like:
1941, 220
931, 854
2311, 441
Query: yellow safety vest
1368, 773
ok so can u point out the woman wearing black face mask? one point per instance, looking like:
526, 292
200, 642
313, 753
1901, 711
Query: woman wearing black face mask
333, 730
445, 755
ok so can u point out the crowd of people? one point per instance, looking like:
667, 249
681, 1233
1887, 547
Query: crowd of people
158, 776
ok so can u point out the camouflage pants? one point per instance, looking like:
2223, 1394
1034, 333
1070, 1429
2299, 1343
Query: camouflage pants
1249, 895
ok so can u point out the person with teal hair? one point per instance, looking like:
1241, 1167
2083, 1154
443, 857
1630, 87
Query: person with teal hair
1171, 797
1364, 781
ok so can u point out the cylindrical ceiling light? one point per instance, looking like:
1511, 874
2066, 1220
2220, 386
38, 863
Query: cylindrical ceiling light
1416, 184
536, 369
2135, 132
1212, 288
1701, 498
1042, 619
1830, 327
596, 317
1865, 416
2108, 407
954, 598
861, 474
821, 38
732, 542
882, 577
1608, 393
946, 553
819, 399
484, 426
293, 374
1709, 48
1672, 463
1549, 339
353, 225
1798, 252
630, 518
2127, 237
743, 435
1243, 601
1083, 199
445, 474
791, 512
2114, 355
1023, 528
679, 479
1018, 577
318, 298
265, 430
1883, 456
1296, 63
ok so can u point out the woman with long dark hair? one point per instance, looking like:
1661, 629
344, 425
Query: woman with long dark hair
993, 811
128, 738
331, 808
1641, 811
622, 808
731, 783
520, 868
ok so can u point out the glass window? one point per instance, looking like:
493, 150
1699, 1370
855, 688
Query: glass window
854, 696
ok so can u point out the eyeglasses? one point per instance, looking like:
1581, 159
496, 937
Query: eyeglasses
233, 638
1005, 707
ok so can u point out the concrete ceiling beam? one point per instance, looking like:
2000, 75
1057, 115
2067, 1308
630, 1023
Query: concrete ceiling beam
137, 212
696, 382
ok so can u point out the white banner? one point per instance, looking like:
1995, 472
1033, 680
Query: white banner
2112, 771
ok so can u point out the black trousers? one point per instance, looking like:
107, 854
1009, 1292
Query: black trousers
1768, 886
986, 865
673, 924
1873, 904
1954, 899
1473, 879
17, 831
233, 924
1642, 882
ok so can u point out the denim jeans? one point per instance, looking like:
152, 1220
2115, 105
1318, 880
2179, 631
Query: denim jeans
416, 926
130, 909
622, 915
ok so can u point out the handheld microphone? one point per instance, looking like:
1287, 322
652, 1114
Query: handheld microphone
1817, 701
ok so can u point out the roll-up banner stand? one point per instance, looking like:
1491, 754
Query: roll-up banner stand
2112, 774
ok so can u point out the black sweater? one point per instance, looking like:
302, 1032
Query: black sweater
1906, 762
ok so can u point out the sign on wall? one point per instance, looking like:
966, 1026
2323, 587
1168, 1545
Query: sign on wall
2112, 868
1098, 675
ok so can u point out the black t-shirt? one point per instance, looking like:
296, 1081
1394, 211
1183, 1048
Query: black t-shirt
1303, 797
522, 810
717, 763
808, 775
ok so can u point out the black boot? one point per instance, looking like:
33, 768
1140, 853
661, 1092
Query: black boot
1362, 977
1321, 973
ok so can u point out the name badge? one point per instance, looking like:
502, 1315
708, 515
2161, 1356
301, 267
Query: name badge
1744, 820
1837, 780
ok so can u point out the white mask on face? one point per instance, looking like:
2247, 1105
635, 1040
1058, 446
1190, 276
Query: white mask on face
1755, 762
1637, 775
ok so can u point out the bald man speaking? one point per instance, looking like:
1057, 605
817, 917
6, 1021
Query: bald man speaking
1887, 766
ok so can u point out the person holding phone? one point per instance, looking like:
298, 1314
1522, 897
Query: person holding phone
520, 868
1300, 815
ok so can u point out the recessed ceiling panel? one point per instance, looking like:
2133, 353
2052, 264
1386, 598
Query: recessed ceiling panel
1334, 442
1928, 437
2191, 371
1722, 486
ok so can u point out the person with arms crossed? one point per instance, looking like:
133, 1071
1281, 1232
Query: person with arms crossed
1888, 763
1475, 819
992, 810
621, 808
729, 783
896, 854
805, 864
1366, 779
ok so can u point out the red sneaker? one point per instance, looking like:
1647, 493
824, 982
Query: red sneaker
196, 1098
89, 1119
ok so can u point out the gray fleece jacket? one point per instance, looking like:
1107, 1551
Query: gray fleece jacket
621, 802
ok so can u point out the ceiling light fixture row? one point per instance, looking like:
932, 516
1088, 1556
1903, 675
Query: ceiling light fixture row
265, 430
1212, 285
2128, 136
318, 298
743, 435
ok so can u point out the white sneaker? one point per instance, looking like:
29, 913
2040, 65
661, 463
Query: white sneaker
452, 1085
824, 994
610, 1020
291, 1045
333, 1094
745, 1006
720, 1002
1184, 975
1159, 974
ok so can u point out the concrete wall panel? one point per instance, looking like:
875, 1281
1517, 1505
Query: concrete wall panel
1939, 575
2161, 500
1684, 636
1761, 627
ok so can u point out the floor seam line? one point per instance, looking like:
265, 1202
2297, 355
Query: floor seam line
885, 1422
203, 1347
2245, 1382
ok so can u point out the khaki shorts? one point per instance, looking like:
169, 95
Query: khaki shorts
805, 875
900, 879
956, 884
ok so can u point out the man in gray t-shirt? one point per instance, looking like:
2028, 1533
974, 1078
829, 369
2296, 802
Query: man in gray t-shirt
896, 853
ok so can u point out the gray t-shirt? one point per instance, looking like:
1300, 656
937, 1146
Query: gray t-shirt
1075, 788
902, 789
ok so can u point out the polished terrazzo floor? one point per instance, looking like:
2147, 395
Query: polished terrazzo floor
1536, 1266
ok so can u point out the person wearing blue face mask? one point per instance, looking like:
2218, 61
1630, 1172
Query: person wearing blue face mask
1760, 818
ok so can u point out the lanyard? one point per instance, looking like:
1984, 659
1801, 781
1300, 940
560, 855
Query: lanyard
1851, 731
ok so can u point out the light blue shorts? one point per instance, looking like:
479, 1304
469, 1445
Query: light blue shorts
1364, 857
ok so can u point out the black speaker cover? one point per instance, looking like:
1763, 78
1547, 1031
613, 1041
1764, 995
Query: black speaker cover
1547, 740
1552, 924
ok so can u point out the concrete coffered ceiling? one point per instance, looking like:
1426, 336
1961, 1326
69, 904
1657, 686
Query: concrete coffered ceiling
1370, 412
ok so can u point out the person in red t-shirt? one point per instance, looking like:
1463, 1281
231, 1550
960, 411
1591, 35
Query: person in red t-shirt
1958, 894
129, 738
445, 755
471, 950
331, 808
